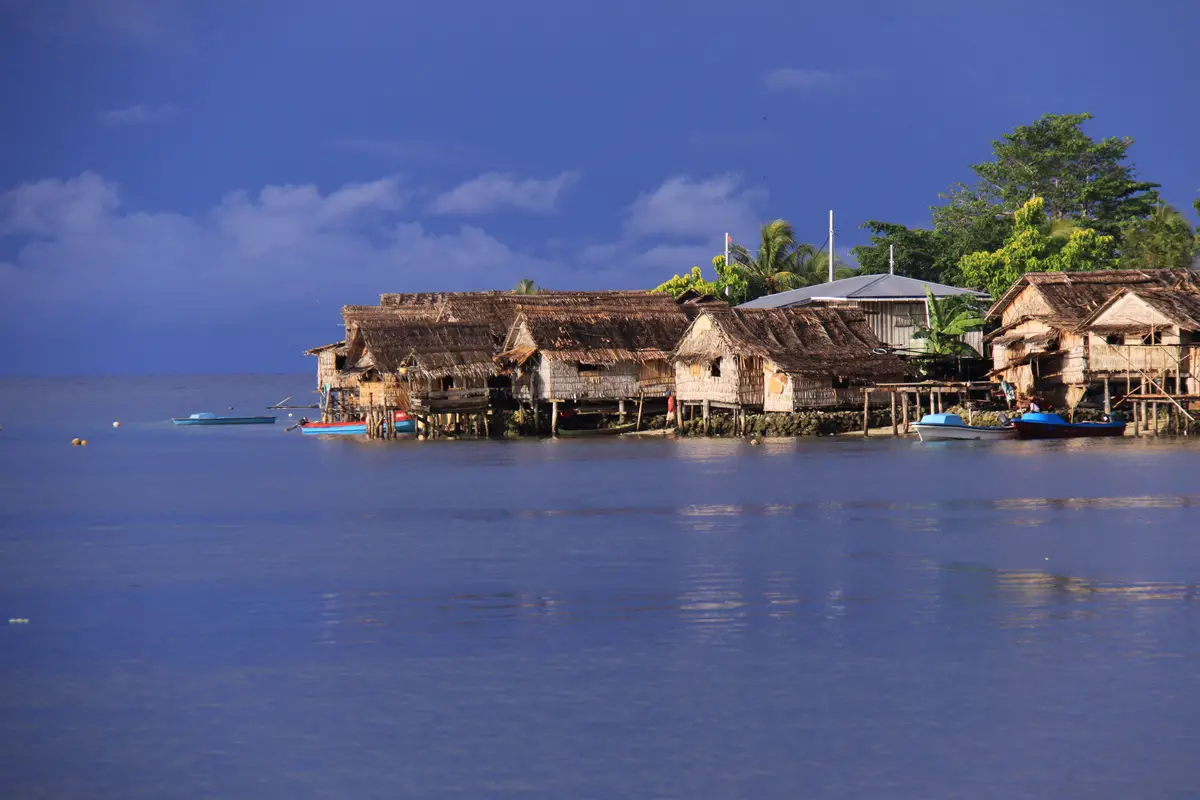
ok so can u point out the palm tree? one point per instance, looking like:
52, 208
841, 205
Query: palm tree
949, 319
774, 267
815, 269
525, 286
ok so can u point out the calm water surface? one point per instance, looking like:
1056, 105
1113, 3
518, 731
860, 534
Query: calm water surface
245, 612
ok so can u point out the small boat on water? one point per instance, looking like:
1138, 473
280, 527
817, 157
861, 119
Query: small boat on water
948, 427
213, 419
1043, 425
402, 422
578, 433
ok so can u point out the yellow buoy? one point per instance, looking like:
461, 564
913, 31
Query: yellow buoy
83, 441
116, 424
75, 442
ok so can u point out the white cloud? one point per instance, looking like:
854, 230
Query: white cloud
806, 80
80, 249
496, 191
685, 208
137, 115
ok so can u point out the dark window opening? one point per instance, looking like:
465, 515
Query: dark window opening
1154, 337
590, 369
1115, 339
840, 382
447, 383
714, 369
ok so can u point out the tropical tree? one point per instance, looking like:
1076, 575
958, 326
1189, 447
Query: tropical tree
782, 263
775, 266
1032, 248
1081, 180
1164, 239
693, 280
949, 319
1077, 176
730, 284
814, 269
525, 286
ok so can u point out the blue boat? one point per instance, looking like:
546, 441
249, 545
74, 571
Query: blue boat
213, 419
1042, 425
403, 424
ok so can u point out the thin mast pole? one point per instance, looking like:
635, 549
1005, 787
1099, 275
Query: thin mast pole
831, 246
891, 259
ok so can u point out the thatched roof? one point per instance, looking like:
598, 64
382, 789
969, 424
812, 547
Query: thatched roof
800, 341
498, 310
312, 351
428, 349
1073, 296
1180, 307
597, 335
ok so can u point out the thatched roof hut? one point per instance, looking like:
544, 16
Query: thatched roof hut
420, 348
613, 352
1042, 344
1064, 299
499, 310
781, 359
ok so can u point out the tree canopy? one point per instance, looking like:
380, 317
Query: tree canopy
1033, 246
1163, 239
1083, 183
1076, 176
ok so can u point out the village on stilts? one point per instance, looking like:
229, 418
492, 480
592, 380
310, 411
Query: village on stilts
835, 358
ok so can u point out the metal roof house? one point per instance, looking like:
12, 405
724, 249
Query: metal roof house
893, 304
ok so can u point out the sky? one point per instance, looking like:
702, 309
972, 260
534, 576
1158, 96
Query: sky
200, 185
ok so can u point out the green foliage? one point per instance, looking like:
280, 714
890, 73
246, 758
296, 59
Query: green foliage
525, 286
970, 220
814, 270
1034, 247
918, 252
949, 319
782, 263
1164, 239
682, 283
1083, 182
774, 267
1077, 176
730, 284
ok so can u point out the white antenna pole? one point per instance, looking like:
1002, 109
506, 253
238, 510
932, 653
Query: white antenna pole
831, 246
727, 250
891, 259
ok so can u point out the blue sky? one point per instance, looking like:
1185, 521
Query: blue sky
200, 185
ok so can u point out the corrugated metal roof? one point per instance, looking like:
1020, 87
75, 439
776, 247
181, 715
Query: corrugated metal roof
860, 287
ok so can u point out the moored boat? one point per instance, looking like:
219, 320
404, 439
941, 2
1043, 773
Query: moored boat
949, 427
1042, 425
213, 419
401, 421
578, 433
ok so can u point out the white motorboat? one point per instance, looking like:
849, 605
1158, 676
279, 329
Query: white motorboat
948, 427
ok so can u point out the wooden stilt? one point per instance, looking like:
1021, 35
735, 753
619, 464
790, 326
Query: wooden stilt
895, 428
621, 412
866, 412
678, 415
554, 418
1107, 397
706, 409
641, 402
904, 410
